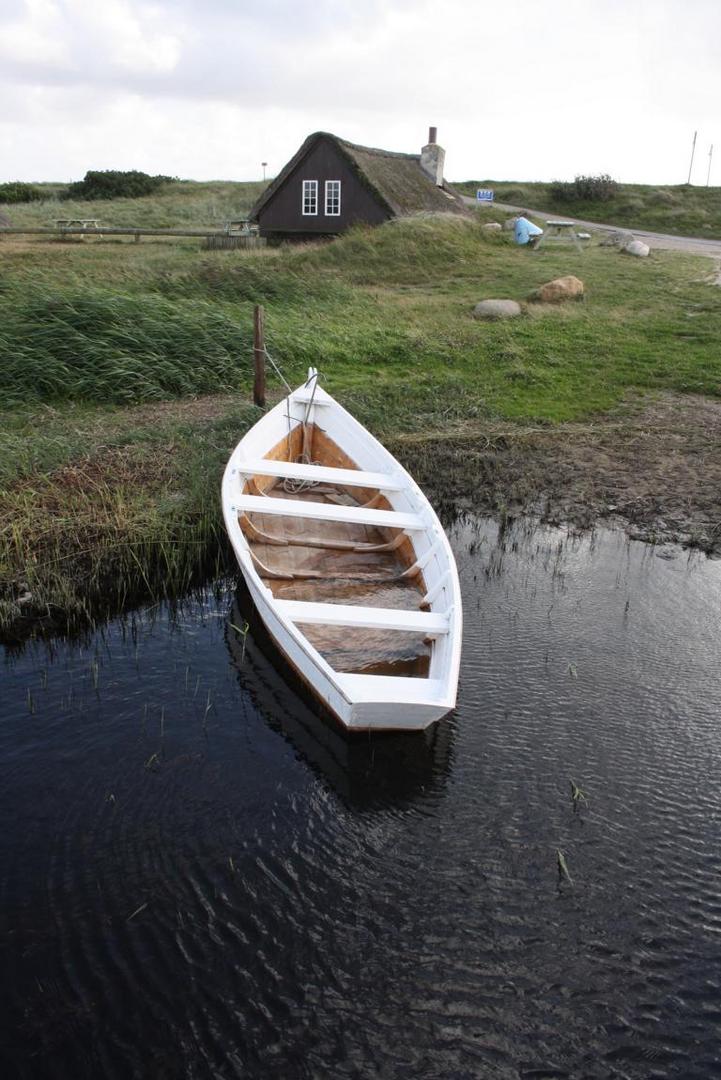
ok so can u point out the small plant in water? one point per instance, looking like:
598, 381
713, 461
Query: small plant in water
243, 631
577, 797
563, 874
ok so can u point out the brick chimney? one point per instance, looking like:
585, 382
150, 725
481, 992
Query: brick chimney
433, 159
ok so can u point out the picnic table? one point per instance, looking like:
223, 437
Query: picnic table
78, 223
238, 226
563, 231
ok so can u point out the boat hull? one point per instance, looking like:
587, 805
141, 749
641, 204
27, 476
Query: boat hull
360, 701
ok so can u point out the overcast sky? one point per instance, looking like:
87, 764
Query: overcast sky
209, 89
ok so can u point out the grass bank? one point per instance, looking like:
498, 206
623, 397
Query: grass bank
125, 374
178, 204
682, 209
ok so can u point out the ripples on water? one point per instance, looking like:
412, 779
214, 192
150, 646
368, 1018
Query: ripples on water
200, 879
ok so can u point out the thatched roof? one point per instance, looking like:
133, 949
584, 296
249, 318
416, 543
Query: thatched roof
396, 180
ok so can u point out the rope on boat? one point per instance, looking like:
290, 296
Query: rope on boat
277, 370
294, 487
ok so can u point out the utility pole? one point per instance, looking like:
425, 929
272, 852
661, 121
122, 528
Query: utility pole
708, 174
693, 151
264, 163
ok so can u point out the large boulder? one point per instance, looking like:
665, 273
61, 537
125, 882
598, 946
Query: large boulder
636, 247
497, 309
493, 226
558, 290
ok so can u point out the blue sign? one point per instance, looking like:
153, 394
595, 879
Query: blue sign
484, 195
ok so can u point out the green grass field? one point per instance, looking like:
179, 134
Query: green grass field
182, 203
386, 314
109, 467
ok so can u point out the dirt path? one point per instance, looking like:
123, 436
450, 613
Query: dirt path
662, 241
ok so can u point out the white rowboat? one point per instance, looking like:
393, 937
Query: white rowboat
347, 564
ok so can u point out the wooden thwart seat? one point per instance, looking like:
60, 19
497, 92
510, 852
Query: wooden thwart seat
389, 688
354, 515
294, 470
430, 623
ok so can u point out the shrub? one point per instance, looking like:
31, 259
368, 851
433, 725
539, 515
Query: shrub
595, 188
112, 184
512, 195
585, 189
18, 192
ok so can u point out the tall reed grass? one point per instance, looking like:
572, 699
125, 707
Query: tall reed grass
111, 348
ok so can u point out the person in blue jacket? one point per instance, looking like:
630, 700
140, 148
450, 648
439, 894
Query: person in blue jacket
525, 231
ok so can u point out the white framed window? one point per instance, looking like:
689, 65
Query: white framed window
332, 198
310, 197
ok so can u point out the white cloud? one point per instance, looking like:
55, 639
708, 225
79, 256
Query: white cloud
213, 89
34, 36
128, 36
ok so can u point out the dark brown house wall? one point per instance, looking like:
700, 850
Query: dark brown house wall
283, 213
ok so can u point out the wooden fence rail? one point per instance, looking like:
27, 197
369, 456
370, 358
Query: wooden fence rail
114, 231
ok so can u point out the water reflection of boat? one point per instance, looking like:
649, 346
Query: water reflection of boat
347, 564
367, 769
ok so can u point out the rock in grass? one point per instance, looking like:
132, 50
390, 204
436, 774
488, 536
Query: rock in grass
616, 239
497, 309
636, 247
493, 226
554, 292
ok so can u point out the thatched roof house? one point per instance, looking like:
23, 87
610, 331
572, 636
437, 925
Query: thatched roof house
331, 184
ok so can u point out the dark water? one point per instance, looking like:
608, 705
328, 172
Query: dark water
198, 879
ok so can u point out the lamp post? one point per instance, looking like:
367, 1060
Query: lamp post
264, 164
